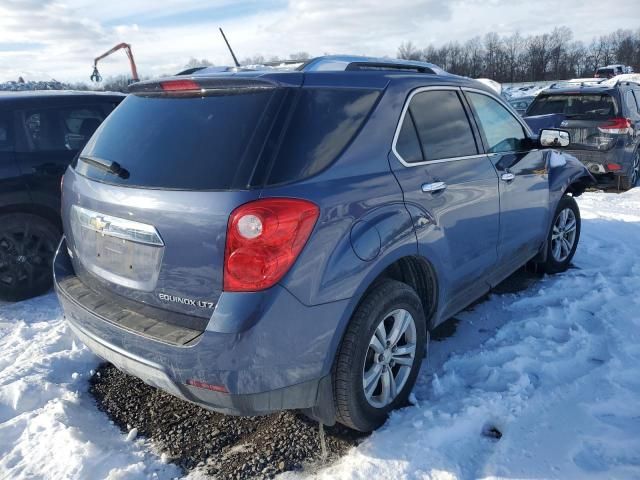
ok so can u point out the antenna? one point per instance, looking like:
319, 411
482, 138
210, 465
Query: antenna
235, 60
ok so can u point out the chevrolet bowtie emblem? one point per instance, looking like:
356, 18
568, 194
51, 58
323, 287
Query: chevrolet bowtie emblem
98, 223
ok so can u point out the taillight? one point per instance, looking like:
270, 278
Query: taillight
264, 238
180, 86
613, 167
616, 126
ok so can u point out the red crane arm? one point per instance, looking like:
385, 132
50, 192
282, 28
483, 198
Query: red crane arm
127, 49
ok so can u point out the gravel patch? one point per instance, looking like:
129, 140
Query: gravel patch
218, 445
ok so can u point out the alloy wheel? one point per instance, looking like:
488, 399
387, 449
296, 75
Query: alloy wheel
564, 235
389, 358
25, 257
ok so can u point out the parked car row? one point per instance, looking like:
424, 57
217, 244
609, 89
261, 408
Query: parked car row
287, 239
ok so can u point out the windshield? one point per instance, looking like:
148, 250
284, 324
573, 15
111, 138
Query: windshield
575, 105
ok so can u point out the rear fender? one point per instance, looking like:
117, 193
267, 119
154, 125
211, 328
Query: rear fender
364, 250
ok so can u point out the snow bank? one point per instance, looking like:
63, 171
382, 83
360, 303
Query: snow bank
555, 369
33, 85
49, 425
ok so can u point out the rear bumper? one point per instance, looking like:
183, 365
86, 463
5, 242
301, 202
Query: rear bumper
596, 162
282, 361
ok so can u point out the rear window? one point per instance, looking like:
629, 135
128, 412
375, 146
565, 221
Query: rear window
230, 141
582, 105
178, 143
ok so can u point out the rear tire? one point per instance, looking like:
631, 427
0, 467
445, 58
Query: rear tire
27, 246
627, 182
563, 237
388, 370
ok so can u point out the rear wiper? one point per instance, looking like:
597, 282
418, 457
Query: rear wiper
106, 165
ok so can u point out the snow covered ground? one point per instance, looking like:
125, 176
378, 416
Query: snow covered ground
554, 368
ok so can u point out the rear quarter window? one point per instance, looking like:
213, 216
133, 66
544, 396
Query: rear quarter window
322, 123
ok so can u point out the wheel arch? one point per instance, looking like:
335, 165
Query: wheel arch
38, 210
417, 272
410, 268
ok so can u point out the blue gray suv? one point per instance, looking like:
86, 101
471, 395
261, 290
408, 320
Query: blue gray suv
259, 241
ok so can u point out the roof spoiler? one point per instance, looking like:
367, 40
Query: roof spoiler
200, 86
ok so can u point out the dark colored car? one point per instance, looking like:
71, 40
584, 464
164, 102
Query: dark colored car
520, 104
611, 71
604, 123
40, 133
253, 242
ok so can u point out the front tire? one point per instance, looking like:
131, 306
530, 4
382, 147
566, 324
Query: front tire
380, 356
27, 246
563, 236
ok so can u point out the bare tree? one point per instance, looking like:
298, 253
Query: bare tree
408, 51
303, 56
195, 63
516, 58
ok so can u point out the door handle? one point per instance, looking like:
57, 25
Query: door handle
433, 187
507, 177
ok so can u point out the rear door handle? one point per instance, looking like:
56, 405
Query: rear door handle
507, 177
433, 187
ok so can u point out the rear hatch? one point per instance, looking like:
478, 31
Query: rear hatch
147, 203
590, 118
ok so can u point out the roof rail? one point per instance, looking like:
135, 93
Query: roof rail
579, 82
329, 63
343, 63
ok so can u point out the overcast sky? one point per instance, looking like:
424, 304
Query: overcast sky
44, 39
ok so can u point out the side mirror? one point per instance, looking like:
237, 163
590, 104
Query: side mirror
554, 138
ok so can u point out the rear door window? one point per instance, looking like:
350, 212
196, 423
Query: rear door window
502, 132
442, 125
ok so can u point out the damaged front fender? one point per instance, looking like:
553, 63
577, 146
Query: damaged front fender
566, 175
